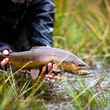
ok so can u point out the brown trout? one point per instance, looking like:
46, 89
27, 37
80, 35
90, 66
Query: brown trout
40, 56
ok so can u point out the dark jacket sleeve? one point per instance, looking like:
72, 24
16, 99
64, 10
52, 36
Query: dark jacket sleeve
42, 22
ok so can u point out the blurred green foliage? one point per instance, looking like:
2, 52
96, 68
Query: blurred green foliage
88, 96
83, 27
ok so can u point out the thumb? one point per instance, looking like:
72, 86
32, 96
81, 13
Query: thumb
4, 62
5, 52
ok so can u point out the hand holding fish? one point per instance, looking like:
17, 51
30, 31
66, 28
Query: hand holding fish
5, 50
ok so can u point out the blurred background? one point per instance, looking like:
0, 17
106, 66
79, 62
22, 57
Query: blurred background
83, 27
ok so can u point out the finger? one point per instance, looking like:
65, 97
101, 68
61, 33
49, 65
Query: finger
5, 52
55, 67
49, 67
4, 61
52, 67
51, 77
42, 72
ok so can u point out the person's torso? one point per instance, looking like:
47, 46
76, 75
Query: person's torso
10, 14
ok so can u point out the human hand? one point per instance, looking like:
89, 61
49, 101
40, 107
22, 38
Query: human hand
5, 50
50, 72
5, 60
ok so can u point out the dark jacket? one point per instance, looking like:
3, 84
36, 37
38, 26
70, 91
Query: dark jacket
26, 23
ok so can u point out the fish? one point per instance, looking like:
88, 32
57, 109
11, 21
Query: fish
42, 55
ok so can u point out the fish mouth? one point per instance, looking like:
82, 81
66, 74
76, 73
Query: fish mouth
84, 65
84, 70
